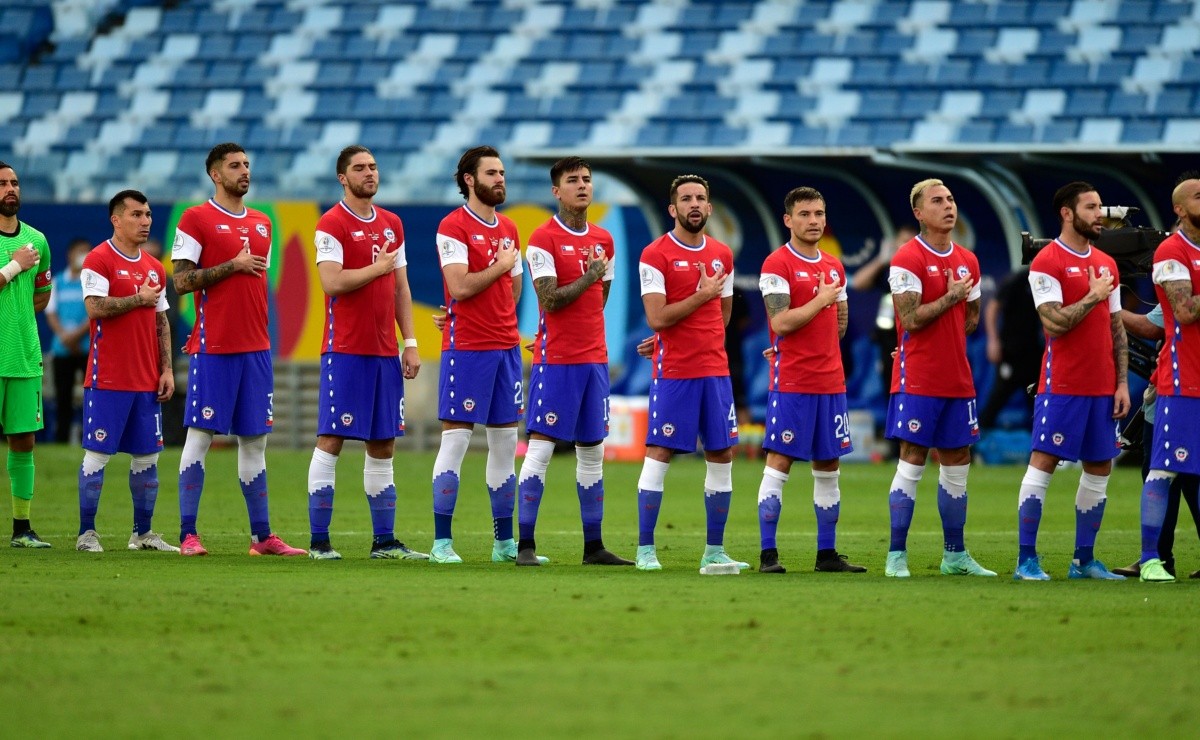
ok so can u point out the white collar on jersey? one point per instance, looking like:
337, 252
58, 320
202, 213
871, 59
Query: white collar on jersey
347, 208
792, 249
569, 230
1063, 244
703, 243
931, 248
231, 214
122, 255
490, 224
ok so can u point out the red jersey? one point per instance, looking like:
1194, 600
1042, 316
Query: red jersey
488, 319
231, 316
694, 347
933, 361
574, 334
1080, 362
363, 321
124, 351
809, 360
1178, 258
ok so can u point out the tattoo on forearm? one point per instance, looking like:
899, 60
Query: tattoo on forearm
1183, 304
972, 322
1060, 319
843, 318
777, 303
189, 278
1120, 349
106, 306
607, 285
553, 296
163, 328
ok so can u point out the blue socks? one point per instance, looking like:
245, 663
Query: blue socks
902, 498
718, 492
1154, 510
952, 505
143, 485
1089, 513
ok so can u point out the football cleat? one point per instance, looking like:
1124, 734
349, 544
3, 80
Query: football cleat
89, 541
28, 538
505, 551
837, 564
1152, 571
395, 550
716, 555
275, 546
1092, 569
604, 557
897, 564
1030, 569
443, 552
191, 546
647, 558
150, 541
768, 561
324, 551
962, 564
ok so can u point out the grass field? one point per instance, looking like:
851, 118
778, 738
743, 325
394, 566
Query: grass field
150, 644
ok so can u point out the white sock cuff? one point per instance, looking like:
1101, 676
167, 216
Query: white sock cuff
1160, 475
826, 474
590, 456
779, 475
195, 447
252, 456
141, 463
537, 459
324, 460
654, 475
770, 486
1096, 483
1035, 477
501, 436
718, 477
94, 462
377, 464
910, 472
954, 475
451, 452
502, 456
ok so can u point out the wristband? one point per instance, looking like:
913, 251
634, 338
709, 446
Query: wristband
410, 343
11, 270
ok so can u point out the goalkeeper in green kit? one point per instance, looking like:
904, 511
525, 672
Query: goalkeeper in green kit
24, 289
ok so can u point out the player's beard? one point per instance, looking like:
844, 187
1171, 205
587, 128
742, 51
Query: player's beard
363, 190
235, 188
1082, 229
1193, 219
489, 196
9, 208
696, 228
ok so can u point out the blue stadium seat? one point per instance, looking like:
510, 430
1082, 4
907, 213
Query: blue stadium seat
1066, 73
653, 134
880, 105
953, 73
1176, 101
568, 133
1128, 104
1142, 132
1059, 131
977, 132
1087, 102
1014, 133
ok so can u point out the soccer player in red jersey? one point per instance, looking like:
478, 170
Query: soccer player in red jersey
480, 375
1083, 386
935, 291
129, 372
220, 255
805, 294
687, 289
571, 262
363, 268
1177, 419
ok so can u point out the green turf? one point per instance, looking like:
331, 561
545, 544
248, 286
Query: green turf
151, 644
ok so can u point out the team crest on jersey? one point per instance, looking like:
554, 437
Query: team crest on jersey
1181, 454
551, 418
207, 412
347, 419
469, 404
100, 435
1057, 439
505, 243
787, 436
262, 230
668, 429
718, 266
1103, 270
389, 234
914, 425
153, 276
962, 272
833, 275
598, 250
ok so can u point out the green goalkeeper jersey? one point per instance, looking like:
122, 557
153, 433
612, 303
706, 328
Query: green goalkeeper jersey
20, 349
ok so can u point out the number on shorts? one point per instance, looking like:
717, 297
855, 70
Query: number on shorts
519, 394
271, 407
732, 414
158, 424
971, 413
839, 425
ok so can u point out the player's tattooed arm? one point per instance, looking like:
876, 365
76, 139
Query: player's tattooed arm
1058, 319
607, 285
972, 321
1120, 349
163, 329
843, 318
1184, 305
104, 307
553, 296
913, 315
190, 278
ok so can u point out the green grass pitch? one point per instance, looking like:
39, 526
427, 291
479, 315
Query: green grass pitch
150, 644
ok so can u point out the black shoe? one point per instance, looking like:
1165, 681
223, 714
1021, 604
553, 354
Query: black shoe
528, 556
768, 562
1195, 574
604, 557
1169, 565
837, 564
1130, 571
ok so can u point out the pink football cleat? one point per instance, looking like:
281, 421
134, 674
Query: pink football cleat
274, 546
191, 546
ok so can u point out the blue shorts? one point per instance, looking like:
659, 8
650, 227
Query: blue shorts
681, 410
362, 397
231, 394
1176, 446
481, 386
569, 402
808, 426
928, 421
1075, 427
122, 421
